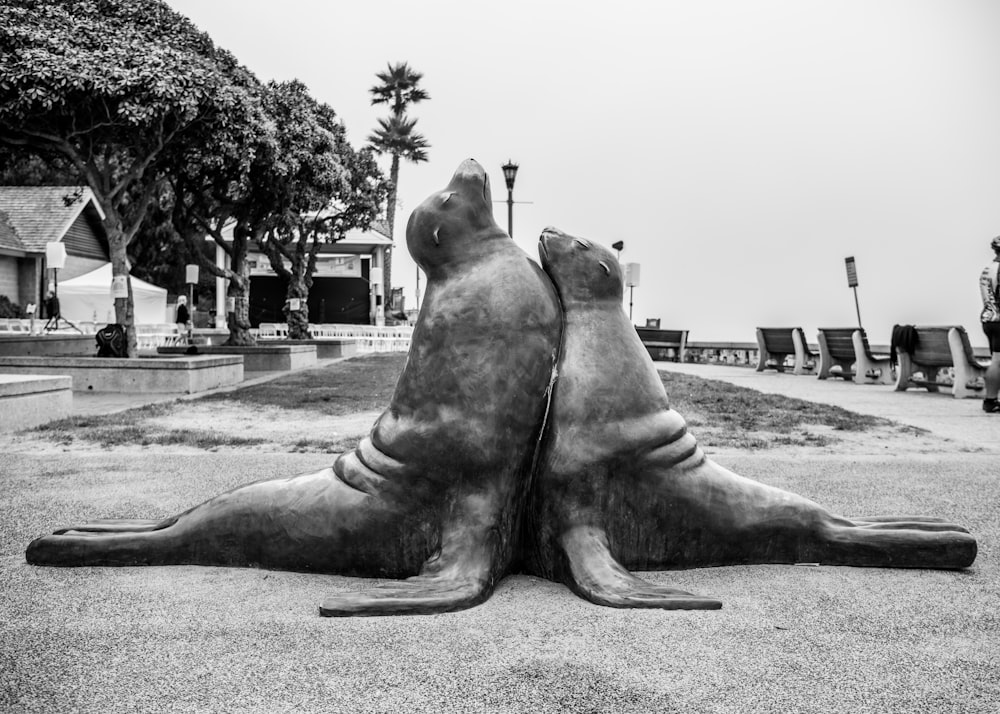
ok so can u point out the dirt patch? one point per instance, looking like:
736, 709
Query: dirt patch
227, 426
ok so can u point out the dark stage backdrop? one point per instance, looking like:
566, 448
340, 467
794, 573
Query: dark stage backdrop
339, 300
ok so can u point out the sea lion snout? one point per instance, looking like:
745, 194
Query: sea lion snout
472, 180
579, 268
445, 225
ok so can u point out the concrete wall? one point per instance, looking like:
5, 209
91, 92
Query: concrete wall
28, 401
49, 345
259, 358
147, 375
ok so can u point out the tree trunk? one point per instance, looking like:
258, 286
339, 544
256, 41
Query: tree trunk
124, 311
298, 320
238, 294
390, 217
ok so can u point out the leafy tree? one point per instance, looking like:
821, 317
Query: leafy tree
114, 88
321, 189
19, 167
399, 87
215, 190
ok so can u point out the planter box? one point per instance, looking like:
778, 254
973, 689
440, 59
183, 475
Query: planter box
27, 401
256, 358
186, 374
51, 344
329, 348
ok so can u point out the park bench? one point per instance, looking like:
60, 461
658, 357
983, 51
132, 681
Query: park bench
777, 344
663, 344
937, 348
844, 352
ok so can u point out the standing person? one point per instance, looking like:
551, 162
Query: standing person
182, 314
989, 287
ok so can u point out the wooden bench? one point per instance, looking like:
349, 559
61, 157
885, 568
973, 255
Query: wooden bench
937, 348
663, 344
776, 344
844, 352
970, 373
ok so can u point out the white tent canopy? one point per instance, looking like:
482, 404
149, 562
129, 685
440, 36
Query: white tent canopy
88, 297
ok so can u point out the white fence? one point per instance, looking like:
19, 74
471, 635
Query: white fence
369, 338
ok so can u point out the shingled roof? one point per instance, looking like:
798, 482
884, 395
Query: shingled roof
36, 215
8, 236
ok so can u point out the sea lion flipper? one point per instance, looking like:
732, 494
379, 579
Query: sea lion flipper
460, 575
419, 595
903, 544
130, 525
598, 577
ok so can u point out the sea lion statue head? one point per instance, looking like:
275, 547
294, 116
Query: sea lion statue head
453, 223
582, 271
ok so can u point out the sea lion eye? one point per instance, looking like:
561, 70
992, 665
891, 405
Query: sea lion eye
446, 197
437, 239
605, 266
582, 243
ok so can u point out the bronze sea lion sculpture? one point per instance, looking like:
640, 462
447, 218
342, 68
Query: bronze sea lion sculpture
435, 492
621, 484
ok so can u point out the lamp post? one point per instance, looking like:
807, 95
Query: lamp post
55, 258
191, 277
509, 174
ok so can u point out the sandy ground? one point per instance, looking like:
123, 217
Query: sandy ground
197, 639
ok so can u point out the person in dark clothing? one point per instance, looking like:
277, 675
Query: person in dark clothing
183, 317
989, 288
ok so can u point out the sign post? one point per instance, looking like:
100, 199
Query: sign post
852, 282
191, 278
632, 280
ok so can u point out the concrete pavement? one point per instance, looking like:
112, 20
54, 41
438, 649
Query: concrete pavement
961, 420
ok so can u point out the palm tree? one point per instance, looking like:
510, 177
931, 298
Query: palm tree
398, 87
395, 136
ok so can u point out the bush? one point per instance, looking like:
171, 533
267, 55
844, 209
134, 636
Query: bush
10, 309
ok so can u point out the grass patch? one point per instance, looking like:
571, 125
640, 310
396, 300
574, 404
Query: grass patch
324, 446
131, 428
721, 414
724, 404
356, 385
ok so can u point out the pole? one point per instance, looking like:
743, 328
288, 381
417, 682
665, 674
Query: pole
510, 212
857, 307
630, 289
190, 324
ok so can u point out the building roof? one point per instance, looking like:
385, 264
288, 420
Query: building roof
41, 214
8, 236
354, 241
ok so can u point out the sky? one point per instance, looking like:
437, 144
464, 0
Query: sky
740, 149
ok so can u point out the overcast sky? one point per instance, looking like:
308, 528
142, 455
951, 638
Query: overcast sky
741, 149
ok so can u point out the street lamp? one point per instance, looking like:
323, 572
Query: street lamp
509, 174
55, 259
